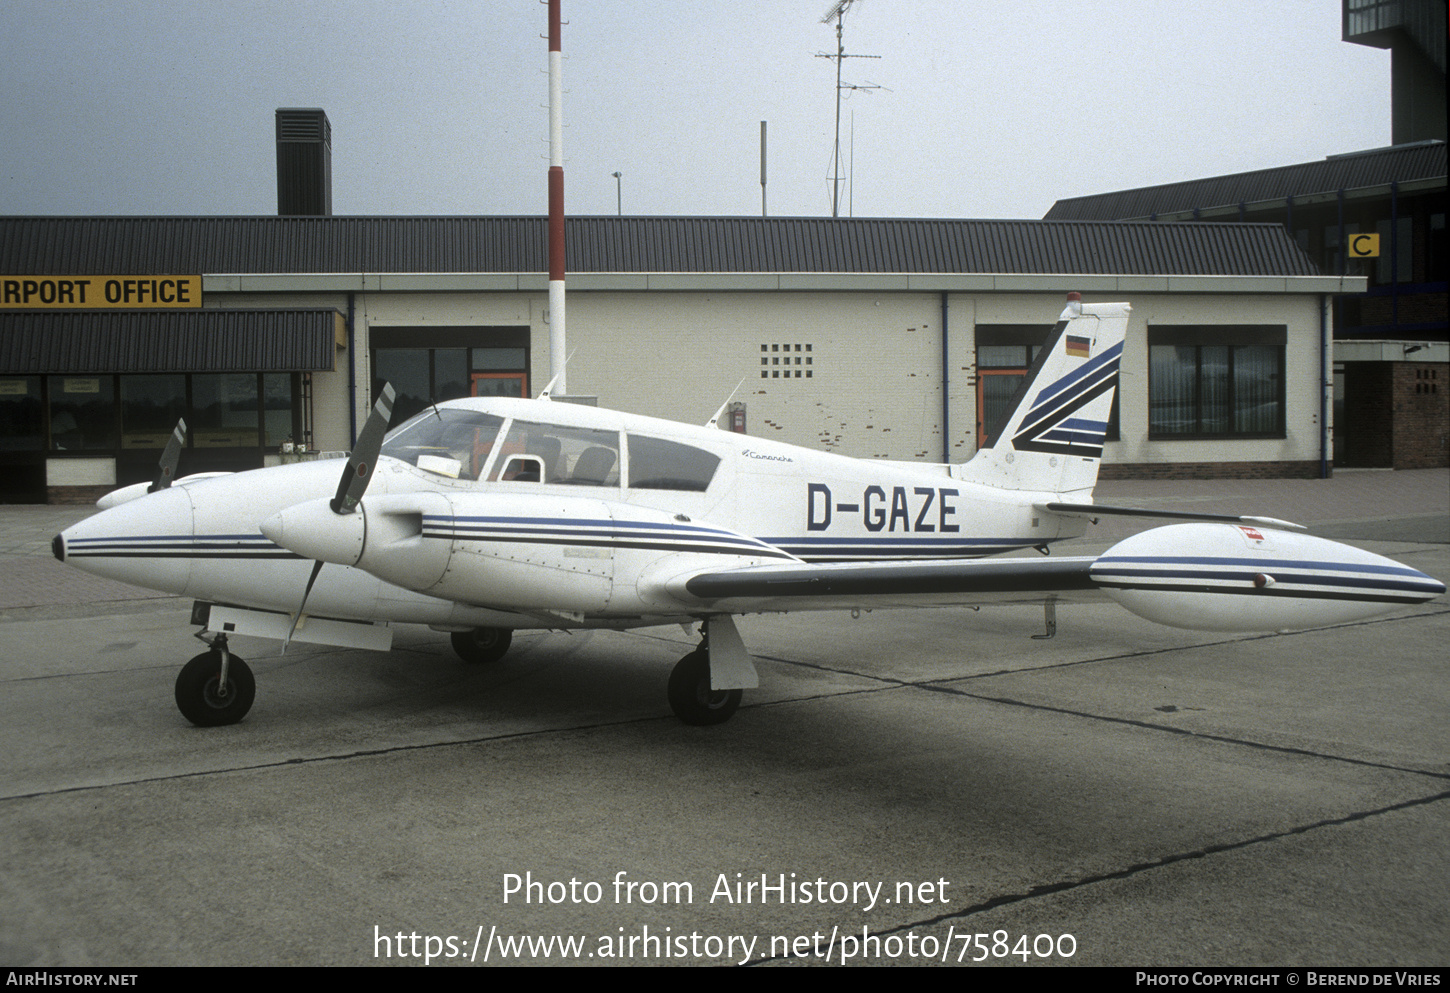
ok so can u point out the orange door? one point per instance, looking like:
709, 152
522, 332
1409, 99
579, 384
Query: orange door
500, 384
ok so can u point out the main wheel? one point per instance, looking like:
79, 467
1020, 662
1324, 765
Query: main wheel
482, 644
201, 699
691, 697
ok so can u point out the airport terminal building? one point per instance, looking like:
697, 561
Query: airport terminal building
895, 339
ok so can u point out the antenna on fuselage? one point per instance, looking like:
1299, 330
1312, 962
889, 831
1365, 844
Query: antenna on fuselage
548, 391
716, 419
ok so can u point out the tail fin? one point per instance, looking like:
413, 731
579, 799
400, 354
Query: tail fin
1053, 439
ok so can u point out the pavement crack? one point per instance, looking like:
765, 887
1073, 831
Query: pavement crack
1136, 869
336, 757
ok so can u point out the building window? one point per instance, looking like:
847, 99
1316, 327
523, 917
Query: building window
82, 413
432, 364
1396, 262
1005, 353
150, 408
224, 410
90, 414
1216, 382
20, 413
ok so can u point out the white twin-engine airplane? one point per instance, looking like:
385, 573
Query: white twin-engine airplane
483, 516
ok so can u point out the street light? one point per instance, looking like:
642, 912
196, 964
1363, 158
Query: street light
618, 193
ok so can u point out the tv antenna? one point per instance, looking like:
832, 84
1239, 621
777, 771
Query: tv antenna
837, 13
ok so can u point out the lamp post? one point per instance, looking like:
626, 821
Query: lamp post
618, 193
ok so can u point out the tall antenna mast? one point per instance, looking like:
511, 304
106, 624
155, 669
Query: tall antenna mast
837, 13
557, 354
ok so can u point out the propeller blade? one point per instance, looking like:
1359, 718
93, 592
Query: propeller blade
306, 592
364, 457
354, 482
170, 457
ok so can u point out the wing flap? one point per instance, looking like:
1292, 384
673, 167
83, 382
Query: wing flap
843, 585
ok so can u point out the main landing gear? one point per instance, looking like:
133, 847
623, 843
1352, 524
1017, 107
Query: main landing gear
216, 687
691, 697
482, 644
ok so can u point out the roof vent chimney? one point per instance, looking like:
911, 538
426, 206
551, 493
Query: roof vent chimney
304, 162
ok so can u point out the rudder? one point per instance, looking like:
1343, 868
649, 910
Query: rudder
1053, 439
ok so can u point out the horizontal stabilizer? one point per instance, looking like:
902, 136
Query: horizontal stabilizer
1102, 510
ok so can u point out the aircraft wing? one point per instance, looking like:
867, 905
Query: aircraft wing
1203, 576
837, 585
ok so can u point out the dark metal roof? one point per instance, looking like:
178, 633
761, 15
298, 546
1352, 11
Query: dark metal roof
65, 246
56, 341
1379, 167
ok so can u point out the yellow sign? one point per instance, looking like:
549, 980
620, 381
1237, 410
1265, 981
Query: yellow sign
99, 292
1364, 246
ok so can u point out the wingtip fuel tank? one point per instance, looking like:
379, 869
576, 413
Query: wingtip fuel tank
1234, 577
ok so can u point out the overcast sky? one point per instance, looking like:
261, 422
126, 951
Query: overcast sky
986, 109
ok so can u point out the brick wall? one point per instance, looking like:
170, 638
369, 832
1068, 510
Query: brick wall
1211, 470
1421, 410
75, 495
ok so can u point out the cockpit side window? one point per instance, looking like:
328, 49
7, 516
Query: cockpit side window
445, 441
552, 453
656, 464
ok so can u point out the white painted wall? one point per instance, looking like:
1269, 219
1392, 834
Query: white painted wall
876, 384
80, 472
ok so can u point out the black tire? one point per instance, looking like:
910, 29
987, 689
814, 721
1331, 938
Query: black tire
482, 644
197, 695
691, 698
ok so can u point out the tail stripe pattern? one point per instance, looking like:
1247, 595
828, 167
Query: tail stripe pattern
1049, 425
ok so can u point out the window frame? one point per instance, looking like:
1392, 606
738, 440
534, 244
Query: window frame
1234, 338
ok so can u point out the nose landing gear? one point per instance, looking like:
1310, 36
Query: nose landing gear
215, 688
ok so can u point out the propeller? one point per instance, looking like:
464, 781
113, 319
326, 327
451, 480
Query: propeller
364, 457
354, 483
170, 457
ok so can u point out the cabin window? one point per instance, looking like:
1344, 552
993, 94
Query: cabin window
656, 464
445, 441
553, 453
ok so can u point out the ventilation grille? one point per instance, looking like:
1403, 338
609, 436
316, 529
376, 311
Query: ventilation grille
301, 124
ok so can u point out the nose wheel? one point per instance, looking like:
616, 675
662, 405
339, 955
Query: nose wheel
215, 688
691, 697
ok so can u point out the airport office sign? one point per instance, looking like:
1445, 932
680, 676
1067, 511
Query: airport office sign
99, 292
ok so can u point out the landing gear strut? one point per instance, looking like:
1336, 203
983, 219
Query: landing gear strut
215, 688
691, 697
482, 644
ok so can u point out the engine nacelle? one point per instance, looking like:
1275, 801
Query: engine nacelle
1230, 577
556, 552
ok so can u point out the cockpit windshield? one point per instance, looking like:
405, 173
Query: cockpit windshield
447, 441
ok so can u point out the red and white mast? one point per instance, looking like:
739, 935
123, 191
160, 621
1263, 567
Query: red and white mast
557, 353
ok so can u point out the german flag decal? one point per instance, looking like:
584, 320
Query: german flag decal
1077, 345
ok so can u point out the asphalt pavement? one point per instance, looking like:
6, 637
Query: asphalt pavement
909, 787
